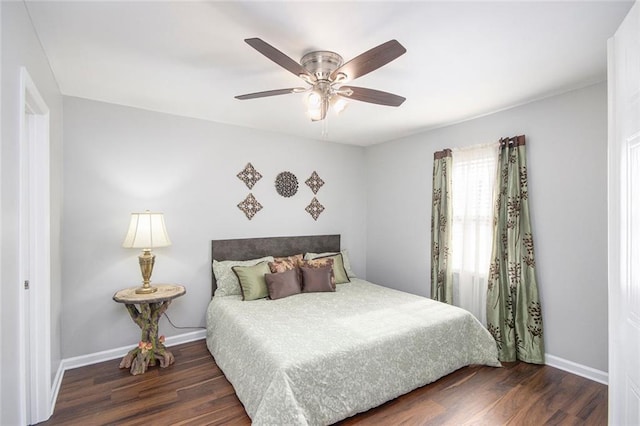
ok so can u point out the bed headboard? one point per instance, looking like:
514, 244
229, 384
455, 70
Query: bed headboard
252, 248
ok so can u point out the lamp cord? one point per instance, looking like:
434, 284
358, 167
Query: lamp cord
175, 326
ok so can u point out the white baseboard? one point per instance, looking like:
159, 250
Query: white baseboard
94, 358
577, 369
55, 387
82, 360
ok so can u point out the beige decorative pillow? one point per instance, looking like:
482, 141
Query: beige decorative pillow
281, 264
296, 258
226, 281
320, 263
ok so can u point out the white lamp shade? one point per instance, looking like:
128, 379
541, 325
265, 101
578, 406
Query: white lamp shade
146, 231
338, 104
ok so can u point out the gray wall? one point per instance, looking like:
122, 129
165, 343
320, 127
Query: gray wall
567, 160
20, 47
120, 160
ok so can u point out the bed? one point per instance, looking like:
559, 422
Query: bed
317, 358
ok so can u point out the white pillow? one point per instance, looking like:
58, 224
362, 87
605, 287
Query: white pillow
345, 260
226, 280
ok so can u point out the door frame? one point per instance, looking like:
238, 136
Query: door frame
34, 155
624, 139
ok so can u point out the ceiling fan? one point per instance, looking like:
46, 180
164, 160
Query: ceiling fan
326, 75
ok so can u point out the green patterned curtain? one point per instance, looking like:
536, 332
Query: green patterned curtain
514, 316
441, 216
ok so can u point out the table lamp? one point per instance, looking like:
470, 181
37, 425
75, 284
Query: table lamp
146, 231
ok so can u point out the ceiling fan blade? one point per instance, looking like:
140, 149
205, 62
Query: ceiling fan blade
370, 95
271, 93
370, 60
277, 56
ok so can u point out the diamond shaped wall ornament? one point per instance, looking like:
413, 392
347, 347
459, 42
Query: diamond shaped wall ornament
314, 208
250, 206
314, 182
249, 175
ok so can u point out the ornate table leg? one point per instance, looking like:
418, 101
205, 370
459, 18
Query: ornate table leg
150, 348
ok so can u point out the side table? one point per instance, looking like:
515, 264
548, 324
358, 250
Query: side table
152, 306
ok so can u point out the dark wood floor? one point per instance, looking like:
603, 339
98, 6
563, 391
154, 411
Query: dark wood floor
194, 391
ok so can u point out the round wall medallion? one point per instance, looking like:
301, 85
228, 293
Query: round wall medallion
286, 184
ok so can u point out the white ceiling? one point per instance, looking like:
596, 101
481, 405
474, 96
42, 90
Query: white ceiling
463, 59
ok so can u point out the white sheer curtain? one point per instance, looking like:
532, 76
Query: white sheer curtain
473, 179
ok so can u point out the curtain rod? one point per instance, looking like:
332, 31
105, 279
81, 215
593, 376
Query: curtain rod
442, 154
514, 140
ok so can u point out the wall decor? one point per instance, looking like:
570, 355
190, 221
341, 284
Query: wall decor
314, 208
314, 182
249, 175
286, 184
250, 206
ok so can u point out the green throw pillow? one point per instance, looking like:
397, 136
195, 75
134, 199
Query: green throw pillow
252, 282
345, 260
339, 272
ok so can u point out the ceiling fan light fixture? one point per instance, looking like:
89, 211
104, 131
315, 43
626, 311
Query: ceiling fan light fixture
318, 112
314, 100
317, 104
315, 114
338, 104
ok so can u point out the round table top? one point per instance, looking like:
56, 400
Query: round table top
165, 292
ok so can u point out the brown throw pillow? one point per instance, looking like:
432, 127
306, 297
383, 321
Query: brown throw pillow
283, 284
316, 279
320, 263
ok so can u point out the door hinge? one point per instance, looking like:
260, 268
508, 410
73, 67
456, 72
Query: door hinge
26, 284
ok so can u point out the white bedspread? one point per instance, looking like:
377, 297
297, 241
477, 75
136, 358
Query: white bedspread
317, 358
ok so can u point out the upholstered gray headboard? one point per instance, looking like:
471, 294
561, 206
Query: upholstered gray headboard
252, 248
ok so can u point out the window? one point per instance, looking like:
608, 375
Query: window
472, 182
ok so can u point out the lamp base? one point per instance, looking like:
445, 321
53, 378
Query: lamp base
146, 260
146, 290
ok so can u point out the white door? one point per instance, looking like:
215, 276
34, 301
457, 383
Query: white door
624, 222
35, 263
25, 246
